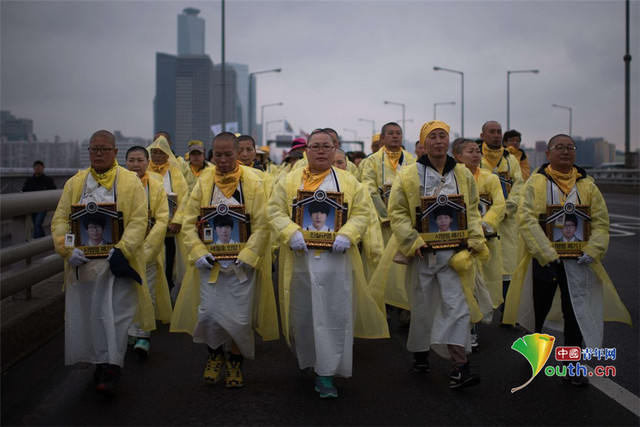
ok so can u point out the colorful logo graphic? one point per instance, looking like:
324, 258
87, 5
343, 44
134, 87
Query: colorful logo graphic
536, 348
568, 354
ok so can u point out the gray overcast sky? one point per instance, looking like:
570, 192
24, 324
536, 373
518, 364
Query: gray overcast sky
74, 67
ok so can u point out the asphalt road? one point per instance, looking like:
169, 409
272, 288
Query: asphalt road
167, 388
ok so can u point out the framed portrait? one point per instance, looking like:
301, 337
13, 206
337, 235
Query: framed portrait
568, 228
484, 204
505, 182
224, 229
96, 228
173, 207
320, 214
442, 221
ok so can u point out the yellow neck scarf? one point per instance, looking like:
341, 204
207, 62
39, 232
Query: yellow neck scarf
565, 181
476, 173
513, 150
145, 180
394, 157
311, 181
228, 182
161, 169
196, 171
492, 156
107, 178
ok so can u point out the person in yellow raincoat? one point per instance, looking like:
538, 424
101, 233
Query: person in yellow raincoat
587, 296
488, 274
223, 300
195, 163
499, 161
511, 141
442, 300
137, 158
380, 170
324, 299
247, 156
101, 294
350, 166
164, 163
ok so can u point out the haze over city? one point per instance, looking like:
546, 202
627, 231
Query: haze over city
74, 67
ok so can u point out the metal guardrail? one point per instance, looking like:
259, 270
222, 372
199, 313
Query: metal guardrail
622, 177
17, 207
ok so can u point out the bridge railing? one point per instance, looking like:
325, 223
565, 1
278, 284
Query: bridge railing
623, 177
17, 209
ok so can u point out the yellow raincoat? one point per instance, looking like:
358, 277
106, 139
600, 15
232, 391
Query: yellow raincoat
369, 320
129, 193
255, 254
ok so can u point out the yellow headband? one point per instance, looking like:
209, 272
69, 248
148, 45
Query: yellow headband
428, 127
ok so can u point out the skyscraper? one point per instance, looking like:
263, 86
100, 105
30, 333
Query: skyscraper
190, 33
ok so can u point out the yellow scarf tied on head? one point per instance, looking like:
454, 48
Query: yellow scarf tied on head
228, 182
566, 181
493, 156
159, 169
107, 178
145, 180
312, 181
394, 157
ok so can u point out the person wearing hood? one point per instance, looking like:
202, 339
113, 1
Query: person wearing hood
195, 162
441, 298
103, 296
165, 164
587, 296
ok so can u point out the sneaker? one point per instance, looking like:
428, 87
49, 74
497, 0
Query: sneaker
131, 340
461, 376
234, 374
109, 380
214, 368
324, 386
421, 361
142, 347
578, 380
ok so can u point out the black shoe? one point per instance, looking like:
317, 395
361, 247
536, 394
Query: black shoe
461, 376
110, 378
421, 361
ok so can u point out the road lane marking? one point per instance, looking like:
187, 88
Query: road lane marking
616, 392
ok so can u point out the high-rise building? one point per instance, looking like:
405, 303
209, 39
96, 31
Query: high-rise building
164, 103
190, 33
15, 129
242, 93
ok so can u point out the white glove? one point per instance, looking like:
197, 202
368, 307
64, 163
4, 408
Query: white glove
585, 259
205, 262
77, 258
241, 264
296, 243
341, 244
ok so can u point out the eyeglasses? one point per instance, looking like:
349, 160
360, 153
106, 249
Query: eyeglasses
320, 147
563, 148
96, 150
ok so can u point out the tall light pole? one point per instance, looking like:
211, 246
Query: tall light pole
252, 101
570, 114
224, 72
508, 91
435, 104
262, 129
267, 129
373, 125
355, 134
403, 120
628, 157
461, 96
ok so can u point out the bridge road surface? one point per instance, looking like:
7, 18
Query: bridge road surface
167, 389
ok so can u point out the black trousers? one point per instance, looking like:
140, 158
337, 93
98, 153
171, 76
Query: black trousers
543, 293
170, 256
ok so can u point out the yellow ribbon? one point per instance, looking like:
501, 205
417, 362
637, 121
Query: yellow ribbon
107, 178
493, 156
393, 156
228, 182
311, 181
565, 181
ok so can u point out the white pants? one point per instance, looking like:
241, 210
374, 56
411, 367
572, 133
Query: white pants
99, 311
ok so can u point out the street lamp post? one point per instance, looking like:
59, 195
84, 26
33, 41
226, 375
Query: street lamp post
508, 91
373, 125
435, 104
570, 115
267, 129
355, 134
461, 96
252, 101
403, 120
262, 129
